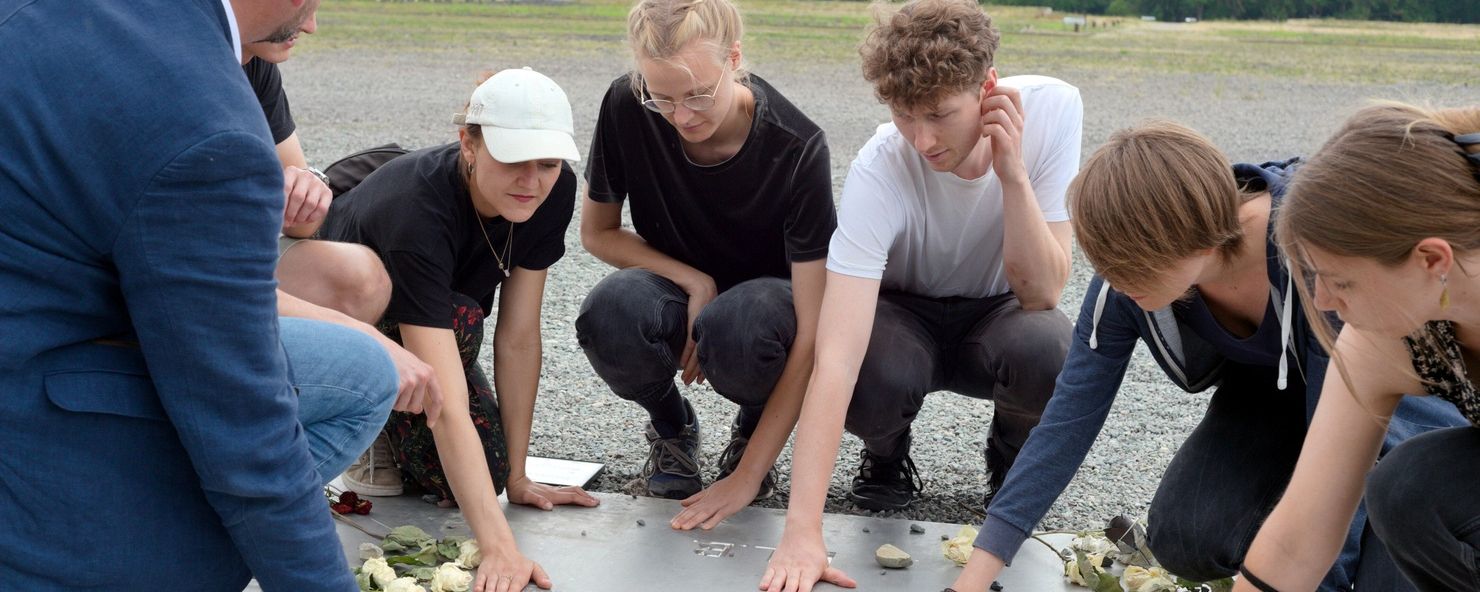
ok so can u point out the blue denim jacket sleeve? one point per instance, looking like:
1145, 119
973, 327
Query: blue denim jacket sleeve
1075, 414
195, 258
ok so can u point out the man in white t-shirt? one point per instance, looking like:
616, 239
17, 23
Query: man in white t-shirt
952, 247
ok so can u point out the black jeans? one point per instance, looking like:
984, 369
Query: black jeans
1424, 505
987, 348
633, 327
1229, 474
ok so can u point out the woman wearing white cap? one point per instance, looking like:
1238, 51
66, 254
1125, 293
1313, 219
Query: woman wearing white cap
454, 224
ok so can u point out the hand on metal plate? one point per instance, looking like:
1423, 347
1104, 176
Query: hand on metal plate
508, 572
711, 506
526, 492
798, 563
1002, 123
307, 198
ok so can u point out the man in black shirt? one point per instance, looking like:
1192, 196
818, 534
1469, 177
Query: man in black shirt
338, 282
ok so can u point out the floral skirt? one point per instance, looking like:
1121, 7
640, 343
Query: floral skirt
410, 438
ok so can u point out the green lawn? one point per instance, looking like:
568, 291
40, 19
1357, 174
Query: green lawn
823, 31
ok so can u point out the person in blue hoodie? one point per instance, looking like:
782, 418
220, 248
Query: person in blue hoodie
1182, 245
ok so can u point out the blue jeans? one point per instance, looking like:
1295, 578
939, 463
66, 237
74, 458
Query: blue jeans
1228, 476
346, 386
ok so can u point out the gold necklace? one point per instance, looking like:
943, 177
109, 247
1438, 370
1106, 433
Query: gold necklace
509, 243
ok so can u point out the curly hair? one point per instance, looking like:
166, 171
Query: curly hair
927, 50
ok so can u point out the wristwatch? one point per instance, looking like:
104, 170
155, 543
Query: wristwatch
320, 174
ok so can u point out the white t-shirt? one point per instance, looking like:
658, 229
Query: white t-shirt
935, 234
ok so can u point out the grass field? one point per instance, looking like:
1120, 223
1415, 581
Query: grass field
1346, 51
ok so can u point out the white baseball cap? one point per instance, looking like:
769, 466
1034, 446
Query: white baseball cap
524, 115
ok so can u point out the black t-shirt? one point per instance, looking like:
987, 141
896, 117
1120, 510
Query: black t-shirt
416, 213
267, 82
751, 216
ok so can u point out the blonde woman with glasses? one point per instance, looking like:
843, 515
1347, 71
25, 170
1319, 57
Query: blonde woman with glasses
720, 276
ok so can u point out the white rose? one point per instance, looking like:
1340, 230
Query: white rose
958, 548
1140, 579
450, 578
1094, 543
1076, 577
407, 584
468, 555
379, 571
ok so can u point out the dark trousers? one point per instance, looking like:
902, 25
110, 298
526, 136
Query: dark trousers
633, 327
1229, 474
410, 438
987, 348
1424, 504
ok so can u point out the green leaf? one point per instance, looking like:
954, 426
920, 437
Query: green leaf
390, 546
409, 536
422, 574
1107, 583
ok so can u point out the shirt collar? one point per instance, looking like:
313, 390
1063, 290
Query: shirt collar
236, 34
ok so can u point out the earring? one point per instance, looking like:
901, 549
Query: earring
1444, 296
470, 170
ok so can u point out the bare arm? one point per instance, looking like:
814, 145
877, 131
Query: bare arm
417, 389
730, 495
603, 236
461, 453
1035, 253
844, 327
1300, 540
307, 198
517, 359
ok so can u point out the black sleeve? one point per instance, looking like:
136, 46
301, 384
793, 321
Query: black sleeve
604, 164
812, 218
267, 82
553, 221
420, 289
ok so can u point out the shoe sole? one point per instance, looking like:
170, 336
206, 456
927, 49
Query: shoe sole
874, 505
371, 490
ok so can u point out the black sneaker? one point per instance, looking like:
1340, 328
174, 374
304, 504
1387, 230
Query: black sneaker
996, 474
885, 484
671, 471
729, 460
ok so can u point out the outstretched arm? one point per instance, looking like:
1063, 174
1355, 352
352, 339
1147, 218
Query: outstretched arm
729, 495
1300, 540
517, 359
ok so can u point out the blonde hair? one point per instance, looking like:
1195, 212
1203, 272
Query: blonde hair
1392, 176
927, 50
659, 29
1150, 196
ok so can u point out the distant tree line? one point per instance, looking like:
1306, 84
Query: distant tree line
1448, 11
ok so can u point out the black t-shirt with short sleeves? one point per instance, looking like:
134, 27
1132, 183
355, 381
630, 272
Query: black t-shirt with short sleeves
267, 83
416, 213
751, 216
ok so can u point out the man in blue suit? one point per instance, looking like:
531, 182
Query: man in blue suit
150, 430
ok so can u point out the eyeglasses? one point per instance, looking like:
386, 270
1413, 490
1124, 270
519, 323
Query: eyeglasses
694, 103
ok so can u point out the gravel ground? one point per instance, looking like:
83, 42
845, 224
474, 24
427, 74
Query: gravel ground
346, 100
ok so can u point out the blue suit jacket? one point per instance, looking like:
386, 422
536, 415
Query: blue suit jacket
148, 432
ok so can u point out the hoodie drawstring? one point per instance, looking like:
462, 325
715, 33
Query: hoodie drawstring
1094, 330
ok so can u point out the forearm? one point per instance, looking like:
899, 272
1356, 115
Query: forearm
780, 414
1036, 264
459, 447
305, 230
516, 379
623, 249
818, 434
292, 306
